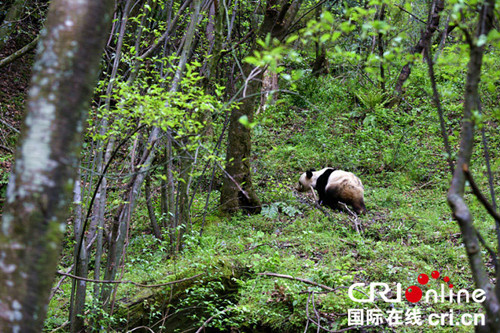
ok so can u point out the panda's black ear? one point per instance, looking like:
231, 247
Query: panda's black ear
309, 173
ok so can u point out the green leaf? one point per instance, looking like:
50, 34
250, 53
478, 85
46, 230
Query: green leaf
253, 61
292, 39
245, 122
327, 16
482, 40
336, 35
347, 27
324, 38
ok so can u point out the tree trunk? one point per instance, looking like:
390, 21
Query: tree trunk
269, 91
183, 215
456, 200
170, 187
238, 156
237, 191
432, 25
41, 184
79, 288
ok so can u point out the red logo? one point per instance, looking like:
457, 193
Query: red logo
414, 294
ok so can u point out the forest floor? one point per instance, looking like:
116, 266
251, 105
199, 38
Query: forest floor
405, 233
14, 80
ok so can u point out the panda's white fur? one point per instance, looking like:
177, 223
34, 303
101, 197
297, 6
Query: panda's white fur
335, 186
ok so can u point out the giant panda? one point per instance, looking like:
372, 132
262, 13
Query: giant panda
334, 186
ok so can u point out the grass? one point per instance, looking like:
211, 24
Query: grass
405, 233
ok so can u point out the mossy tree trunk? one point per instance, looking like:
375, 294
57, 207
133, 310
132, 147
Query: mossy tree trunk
41, 184
237, 191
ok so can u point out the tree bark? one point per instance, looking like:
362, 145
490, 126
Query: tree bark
432, 25
456, 200
277, 19
269, 91
77, 303
170, 183
41, 184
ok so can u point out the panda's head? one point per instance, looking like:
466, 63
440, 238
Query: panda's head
307, 181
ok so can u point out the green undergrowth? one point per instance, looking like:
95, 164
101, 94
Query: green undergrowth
407, 231
403, 235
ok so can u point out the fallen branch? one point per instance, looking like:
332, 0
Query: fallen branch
309, 319
422, 186
357, 225
354, 328
289, 277
9, 126
60, 327
7, 60
316, 204
141, 327
320, 327
314, 194
7, 149
128, 281
347, 242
